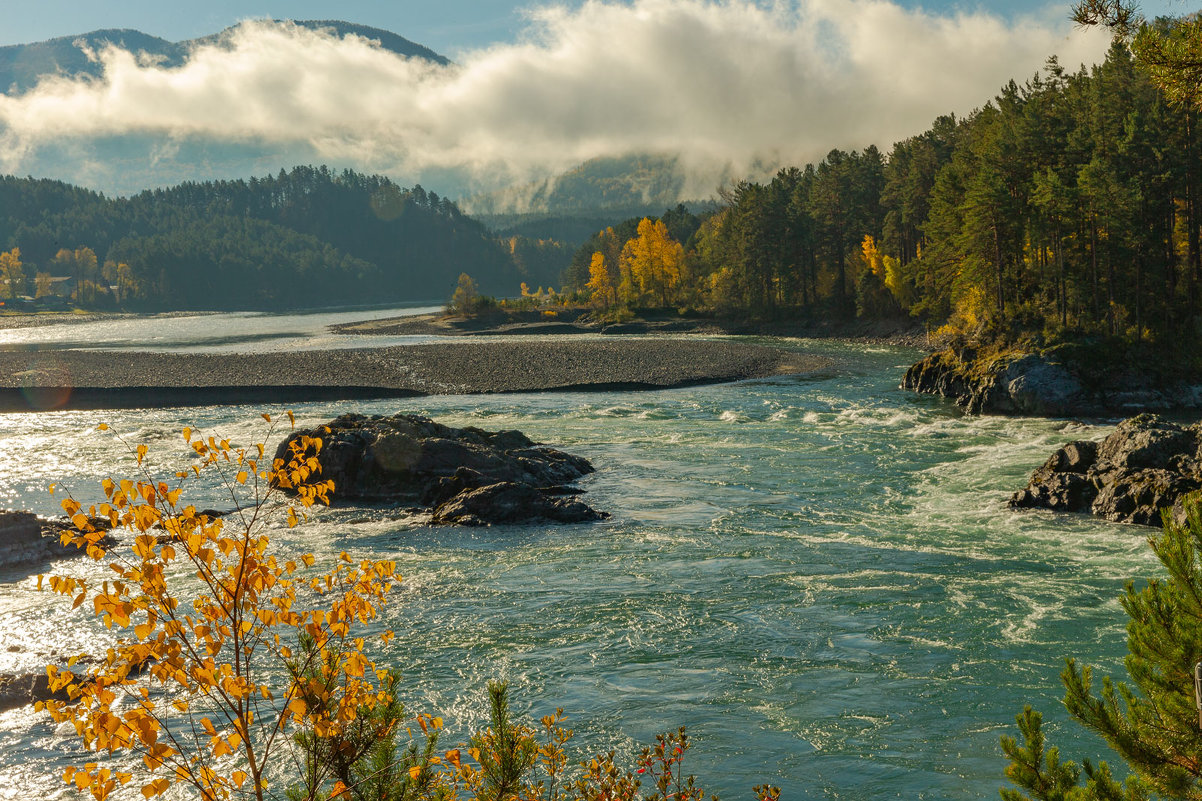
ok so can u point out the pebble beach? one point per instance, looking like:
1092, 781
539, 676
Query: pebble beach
74, 379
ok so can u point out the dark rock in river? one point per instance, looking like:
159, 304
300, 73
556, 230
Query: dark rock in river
508, 502
28, 539
1145, 466
1013, 384
21, 689
469, 475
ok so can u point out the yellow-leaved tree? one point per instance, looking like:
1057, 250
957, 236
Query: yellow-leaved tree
234, 666
601, 288
650, 265
217, 666
12, 274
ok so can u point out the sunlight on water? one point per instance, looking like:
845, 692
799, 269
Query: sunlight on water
817, 574
224, 332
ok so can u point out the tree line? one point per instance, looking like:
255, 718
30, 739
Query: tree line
1067, 204
303, 238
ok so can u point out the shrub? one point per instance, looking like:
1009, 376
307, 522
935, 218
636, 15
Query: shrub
245, 658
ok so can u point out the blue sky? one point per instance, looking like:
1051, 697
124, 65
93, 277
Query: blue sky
448, 26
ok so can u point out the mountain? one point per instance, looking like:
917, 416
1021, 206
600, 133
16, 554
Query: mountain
570, 208
125, 164
21, 66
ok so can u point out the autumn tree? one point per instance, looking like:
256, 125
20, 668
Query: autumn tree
224, 649
650, 265
12, 273
602, 291
463, 300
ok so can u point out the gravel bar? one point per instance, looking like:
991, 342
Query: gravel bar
70, 379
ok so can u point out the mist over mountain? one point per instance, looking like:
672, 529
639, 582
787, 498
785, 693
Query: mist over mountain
718, 89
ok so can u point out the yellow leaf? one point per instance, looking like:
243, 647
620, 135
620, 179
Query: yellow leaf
242, 476
187, 434
415, 772
266, 417
142, 453
291, 419
102, 427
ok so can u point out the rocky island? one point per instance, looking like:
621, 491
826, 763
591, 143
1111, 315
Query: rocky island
464, 476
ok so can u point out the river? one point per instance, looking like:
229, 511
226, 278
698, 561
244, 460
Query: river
817, 574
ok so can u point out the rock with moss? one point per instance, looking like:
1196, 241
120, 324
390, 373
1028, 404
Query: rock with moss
1147, 466
999, 380
411, 460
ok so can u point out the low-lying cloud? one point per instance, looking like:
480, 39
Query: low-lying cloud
724, 85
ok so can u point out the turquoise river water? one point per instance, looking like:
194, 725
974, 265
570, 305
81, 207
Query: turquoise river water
817, 574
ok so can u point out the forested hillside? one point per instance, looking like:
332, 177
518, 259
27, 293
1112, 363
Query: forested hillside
1068, 204
309, 237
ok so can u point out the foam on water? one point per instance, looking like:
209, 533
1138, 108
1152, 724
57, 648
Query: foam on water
818, 575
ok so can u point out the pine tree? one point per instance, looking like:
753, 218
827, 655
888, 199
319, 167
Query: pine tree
1152, 723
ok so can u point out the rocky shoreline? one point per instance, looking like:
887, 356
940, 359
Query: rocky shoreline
982, 381
36, 380
1146, 467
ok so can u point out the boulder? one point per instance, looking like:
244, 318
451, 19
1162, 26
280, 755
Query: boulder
409, 459
509, 502
22, 689
1147, 465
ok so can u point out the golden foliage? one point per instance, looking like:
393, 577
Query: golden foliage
650, 265
12, 274
195, 666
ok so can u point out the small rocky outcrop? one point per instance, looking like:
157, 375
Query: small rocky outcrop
1147, 465
27, 539
21, 689
1009, 382
466, 476
1004, 384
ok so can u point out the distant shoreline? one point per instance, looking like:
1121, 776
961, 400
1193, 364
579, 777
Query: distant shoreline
901, 332
72, 379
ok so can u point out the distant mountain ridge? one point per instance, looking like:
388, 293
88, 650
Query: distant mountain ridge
21, 66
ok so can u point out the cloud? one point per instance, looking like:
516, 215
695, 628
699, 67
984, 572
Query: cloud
724, 85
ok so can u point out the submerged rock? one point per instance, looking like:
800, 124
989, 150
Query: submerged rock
1145, 466
409, 459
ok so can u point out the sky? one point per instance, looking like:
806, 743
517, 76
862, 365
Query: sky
723, 85
447, 26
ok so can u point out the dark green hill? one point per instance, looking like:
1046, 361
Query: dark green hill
306, 238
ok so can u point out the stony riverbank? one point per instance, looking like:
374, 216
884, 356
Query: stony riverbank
1016, 381
578, 321
120, 379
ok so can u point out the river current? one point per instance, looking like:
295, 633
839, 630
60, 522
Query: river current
816, 574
